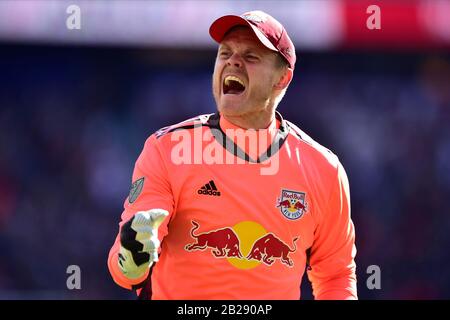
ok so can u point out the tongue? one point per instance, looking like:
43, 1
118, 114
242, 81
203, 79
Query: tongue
234, 87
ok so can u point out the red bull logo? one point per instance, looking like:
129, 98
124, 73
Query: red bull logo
292, 204
269, 248
223, 242
245, 245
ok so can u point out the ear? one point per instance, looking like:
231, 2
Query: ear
285, 79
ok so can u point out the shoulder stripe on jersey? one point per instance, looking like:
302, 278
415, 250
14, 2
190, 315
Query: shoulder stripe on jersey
302, 136
193, 123
295, 131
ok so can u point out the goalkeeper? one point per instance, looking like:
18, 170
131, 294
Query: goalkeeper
238, 204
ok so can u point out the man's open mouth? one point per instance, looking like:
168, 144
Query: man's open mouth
233, 85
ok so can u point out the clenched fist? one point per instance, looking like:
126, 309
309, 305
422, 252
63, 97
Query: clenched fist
139, 242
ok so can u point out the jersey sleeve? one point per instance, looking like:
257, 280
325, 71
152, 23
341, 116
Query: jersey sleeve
332, 266
151, 189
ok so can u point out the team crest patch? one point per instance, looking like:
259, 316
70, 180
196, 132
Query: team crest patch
136, 189
292, 204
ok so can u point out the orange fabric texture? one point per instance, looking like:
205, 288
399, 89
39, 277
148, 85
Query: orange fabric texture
234, 233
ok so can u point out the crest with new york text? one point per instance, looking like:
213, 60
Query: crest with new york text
292, 204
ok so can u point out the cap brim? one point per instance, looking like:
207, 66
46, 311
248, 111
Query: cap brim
222, 25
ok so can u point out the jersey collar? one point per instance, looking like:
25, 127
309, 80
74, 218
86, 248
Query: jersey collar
278, 131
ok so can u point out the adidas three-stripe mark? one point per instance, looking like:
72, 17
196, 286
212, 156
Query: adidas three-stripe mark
209, 189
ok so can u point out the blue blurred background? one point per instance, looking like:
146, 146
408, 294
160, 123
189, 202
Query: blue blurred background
74, 115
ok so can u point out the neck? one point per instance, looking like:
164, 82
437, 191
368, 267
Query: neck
257, 120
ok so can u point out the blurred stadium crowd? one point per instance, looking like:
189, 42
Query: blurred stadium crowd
73, 121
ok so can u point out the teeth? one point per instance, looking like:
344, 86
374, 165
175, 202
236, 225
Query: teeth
233, 78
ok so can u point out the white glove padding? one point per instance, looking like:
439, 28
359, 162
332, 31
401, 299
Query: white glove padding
139, 242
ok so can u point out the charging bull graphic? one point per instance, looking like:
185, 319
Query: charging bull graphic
223, 242
269, 247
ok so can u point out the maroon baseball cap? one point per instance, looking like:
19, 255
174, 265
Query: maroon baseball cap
267, 29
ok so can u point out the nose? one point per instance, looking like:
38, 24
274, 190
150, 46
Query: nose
235, 60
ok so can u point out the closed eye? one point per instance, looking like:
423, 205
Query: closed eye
251, 57
224, 54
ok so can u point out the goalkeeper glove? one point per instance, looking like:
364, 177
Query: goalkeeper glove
139, 242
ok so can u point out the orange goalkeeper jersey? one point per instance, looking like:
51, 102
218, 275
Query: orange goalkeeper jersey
249, 210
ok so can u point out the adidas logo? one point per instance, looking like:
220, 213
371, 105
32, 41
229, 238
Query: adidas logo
209, 189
